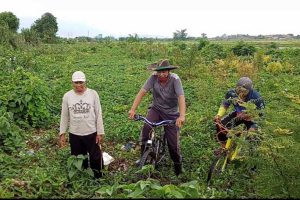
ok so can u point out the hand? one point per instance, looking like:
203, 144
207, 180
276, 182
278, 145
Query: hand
99, 139
180, 121
62, 140
243, 116
131, 114
217, 118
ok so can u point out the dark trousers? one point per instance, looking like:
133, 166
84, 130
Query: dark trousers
171, 132
87, 144
231, 121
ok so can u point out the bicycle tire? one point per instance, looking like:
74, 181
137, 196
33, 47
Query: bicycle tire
147, 158
217, 166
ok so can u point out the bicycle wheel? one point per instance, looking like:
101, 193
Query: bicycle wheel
148, 158
217, 166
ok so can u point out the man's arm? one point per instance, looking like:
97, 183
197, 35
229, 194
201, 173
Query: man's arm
98, 115
64, 120
221, 112
182, 108
136, 102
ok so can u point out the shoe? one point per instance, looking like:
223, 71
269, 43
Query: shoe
177, 168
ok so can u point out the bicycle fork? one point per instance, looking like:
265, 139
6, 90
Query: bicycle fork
230, 156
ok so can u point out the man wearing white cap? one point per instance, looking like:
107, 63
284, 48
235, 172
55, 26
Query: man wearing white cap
81, 115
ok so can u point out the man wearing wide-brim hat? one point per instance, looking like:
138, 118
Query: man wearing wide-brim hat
168, 104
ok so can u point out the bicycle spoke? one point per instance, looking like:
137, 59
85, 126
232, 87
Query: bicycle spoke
147, 158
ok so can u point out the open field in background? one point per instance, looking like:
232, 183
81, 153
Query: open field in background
263, 43
34, 80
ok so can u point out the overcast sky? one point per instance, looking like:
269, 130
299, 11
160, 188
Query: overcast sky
161, 17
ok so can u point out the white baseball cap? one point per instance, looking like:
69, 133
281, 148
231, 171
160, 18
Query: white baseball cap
78, 76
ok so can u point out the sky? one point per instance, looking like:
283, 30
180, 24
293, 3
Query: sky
161, 18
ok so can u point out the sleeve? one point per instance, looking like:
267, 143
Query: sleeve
64, 117
149, 83
221, 111
260, 104
178, 87
98, 114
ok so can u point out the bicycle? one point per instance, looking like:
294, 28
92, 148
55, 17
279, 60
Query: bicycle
229, 149
155, 147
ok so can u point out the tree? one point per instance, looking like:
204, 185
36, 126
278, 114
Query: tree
46, 27
7, 37
180, 35
204, 35
5, 34
11, 20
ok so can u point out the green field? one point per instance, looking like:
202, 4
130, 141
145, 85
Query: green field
34, 79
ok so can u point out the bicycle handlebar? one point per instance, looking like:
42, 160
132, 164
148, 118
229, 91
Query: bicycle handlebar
220, 125
138, 117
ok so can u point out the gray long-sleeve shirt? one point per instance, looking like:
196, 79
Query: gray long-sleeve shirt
82, 114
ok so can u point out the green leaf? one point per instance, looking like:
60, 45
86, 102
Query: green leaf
90, 172
12, 104
28, 97
72, 173
136, 194
78, 164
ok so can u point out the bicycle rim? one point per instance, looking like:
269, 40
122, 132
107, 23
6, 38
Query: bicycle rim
148, 158
217, 166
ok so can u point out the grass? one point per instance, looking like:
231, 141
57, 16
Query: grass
40, 169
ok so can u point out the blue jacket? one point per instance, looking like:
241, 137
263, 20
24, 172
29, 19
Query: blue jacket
253, 96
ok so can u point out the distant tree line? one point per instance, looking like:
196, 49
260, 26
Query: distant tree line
43, 29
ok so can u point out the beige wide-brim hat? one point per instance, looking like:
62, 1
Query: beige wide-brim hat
161, 65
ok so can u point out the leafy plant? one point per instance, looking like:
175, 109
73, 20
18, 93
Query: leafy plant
10, 134
30, 100
75, 166
243, 49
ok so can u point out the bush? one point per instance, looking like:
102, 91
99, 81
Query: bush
212, 52
10, 134
202, 43
30, 36
27, 97
278, 67
243, 49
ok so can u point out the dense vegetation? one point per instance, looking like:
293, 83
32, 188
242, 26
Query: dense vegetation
34, 79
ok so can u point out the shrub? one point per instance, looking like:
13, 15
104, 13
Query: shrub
27, 97
212, 52
274, 67
243, 49
278, 67
10, 134
30, 36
